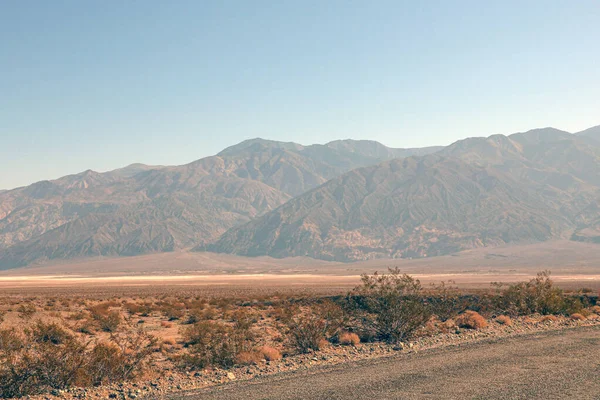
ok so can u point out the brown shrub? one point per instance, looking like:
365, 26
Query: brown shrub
349, 339
307, 332
595, 309
504, 320
577, 317
109, 322
120, 359
270, 353
166, 324
50, 333
214, 344
26, 311
471, 320
249, 358
549, 318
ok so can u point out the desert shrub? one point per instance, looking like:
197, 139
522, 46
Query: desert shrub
348, 339
539, 295
2, 316
50, 333
47, 356
310, 328
389, 306
577, 317
194, 315
99, 310
249, 358
26, 311
306, 332
166, 324
120, 359
270, 353
214, 344
37, 360
173, 312
446, 302
109, 322
549, 318
595, 309
471, 320
504, 320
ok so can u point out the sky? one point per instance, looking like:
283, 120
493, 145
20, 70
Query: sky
103, 84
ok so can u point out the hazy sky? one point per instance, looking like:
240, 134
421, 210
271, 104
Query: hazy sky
102, 84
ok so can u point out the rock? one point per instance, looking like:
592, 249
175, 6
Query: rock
231, 376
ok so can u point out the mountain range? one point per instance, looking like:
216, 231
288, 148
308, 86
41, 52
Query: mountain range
346, 200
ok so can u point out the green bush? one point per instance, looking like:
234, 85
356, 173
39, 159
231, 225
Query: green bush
539, 295
389, 307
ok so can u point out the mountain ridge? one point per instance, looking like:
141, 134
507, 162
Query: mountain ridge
547, 175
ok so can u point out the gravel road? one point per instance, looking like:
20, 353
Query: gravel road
550, 365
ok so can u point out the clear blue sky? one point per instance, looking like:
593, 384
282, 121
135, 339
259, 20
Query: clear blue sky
102, 84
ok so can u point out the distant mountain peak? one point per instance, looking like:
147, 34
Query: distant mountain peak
257, 144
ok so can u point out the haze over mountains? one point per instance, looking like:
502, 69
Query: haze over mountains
345, 200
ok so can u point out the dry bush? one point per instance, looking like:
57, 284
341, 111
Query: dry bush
389, 307
270, 353
214, 344
173, 312
445, 301
504, 320
166, 324
349, 339
249, 358
2, 316
50, 333
306, 332
169, 341
26, 311
121, 359
109, 322
471, 320
595, 309
37, 360
577, 317
49, 356
549, 318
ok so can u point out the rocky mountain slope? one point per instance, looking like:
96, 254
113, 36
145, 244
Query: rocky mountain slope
140, 209
530, 186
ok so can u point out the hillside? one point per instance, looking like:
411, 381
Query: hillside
527, 187
593, 133
140, 209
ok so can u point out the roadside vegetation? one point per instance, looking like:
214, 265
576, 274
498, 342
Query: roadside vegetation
50, 344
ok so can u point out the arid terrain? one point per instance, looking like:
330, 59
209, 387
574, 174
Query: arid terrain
111, 329
573, 265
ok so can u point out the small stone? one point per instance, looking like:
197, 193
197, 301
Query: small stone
231, 376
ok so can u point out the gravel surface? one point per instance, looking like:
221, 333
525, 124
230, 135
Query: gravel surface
559, 364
